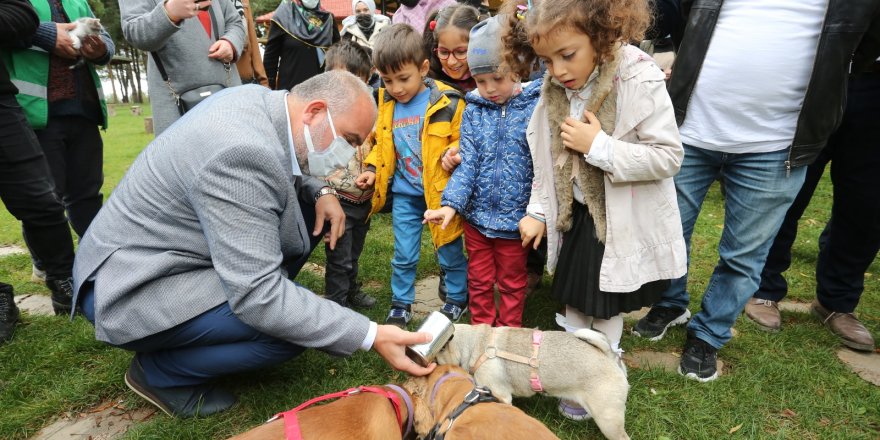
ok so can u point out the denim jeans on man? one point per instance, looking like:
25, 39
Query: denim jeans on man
213, 344
759, 190
407, 214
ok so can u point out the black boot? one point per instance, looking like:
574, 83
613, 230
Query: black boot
8, 313
62, 294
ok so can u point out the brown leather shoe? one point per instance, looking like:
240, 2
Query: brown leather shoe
764, 313
851, 331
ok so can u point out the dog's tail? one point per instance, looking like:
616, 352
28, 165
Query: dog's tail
596, 339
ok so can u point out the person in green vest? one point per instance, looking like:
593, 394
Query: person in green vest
64, 104
26, 187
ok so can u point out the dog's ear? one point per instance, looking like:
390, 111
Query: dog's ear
423, 419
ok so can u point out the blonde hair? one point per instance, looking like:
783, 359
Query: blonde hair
605, 22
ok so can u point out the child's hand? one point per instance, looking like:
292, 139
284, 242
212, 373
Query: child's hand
578, 135
450, 160
366, 180
440, 216
531, 229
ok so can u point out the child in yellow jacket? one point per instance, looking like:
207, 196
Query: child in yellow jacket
418, 121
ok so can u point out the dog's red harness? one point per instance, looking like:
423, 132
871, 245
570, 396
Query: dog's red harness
492, 351
291, 423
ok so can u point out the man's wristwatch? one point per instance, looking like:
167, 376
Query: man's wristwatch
323, 192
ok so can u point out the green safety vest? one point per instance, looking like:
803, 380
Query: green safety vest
29, 68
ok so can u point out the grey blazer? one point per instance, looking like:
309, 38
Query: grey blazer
207, 214
183, 50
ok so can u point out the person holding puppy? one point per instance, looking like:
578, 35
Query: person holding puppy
605, 147
495, 160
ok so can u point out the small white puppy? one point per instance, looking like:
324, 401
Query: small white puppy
578, 366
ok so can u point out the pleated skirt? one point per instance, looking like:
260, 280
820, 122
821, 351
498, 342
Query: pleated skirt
576, 281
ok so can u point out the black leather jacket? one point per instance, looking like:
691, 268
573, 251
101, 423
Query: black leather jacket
850, 34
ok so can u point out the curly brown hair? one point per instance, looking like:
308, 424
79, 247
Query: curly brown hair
606, 22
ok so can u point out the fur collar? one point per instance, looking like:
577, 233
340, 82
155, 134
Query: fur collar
569, 166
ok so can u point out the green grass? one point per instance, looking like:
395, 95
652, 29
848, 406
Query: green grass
785, 385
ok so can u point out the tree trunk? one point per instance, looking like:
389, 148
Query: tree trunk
136, 61
112, 82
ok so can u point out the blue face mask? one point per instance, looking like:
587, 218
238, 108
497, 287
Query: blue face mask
336, 156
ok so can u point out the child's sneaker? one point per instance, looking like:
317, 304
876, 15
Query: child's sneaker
453, 311
573, 411
399, 316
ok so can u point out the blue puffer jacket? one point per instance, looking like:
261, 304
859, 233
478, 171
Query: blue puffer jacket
491, 186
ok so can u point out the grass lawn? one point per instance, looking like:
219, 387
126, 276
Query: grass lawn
785, 385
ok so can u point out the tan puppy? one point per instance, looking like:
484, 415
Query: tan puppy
578, 366
481, 421
360, 416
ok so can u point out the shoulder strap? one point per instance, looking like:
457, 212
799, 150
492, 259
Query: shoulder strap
159, 66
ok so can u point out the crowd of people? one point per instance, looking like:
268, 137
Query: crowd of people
538, 132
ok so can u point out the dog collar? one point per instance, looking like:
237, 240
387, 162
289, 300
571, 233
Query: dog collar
409, 409
443, 379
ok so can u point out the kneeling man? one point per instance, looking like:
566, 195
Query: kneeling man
189, 262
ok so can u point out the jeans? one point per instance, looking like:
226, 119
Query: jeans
28, 192
494, 261
340, 277
407, 214
851, 238
759, 192
213, 344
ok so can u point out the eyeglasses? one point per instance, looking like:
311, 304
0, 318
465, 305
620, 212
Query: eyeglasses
459, 54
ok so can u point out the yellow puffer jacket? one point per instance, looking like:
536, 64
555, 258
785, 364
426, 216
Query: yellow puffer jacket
441, 132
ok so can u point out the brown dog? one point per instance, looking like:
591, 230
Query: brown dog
364, 415
433, 405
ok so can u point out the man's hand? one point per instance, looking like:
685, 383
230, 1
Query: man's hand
222, 51
531, 229
63, 43
93, 47
440, 216
179, 10
327, 208
450, 160
578, 135
391, 344
366, 180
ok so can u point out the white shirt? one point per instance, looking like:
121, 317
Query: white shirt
374, 328
751, 88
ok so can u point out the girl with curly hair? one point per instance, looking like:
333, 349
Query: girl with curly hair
604, 146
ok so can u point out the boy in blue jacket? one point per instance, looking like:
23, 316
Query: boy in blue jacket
492, 185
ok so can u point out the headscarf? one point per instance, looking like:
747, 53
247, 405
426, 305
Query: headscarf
357, 20
311, 26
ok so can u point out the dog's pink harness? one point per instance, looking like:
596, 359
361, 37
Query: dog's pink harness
492, 351
291, 423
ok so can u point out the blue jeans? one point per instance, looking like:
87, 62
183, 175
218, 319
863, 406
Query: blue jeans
211, 345
407, 213
759, 191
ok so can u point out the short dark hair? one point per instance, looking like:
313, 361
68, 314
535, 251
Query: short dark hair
397, 46
349, 56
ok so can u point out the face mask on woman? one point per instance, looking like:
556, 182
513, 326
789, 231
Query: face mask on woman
310, 4
364, 21
409, 3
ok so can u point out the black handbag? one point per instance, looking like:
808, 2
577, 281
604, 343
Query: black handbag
188, 99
